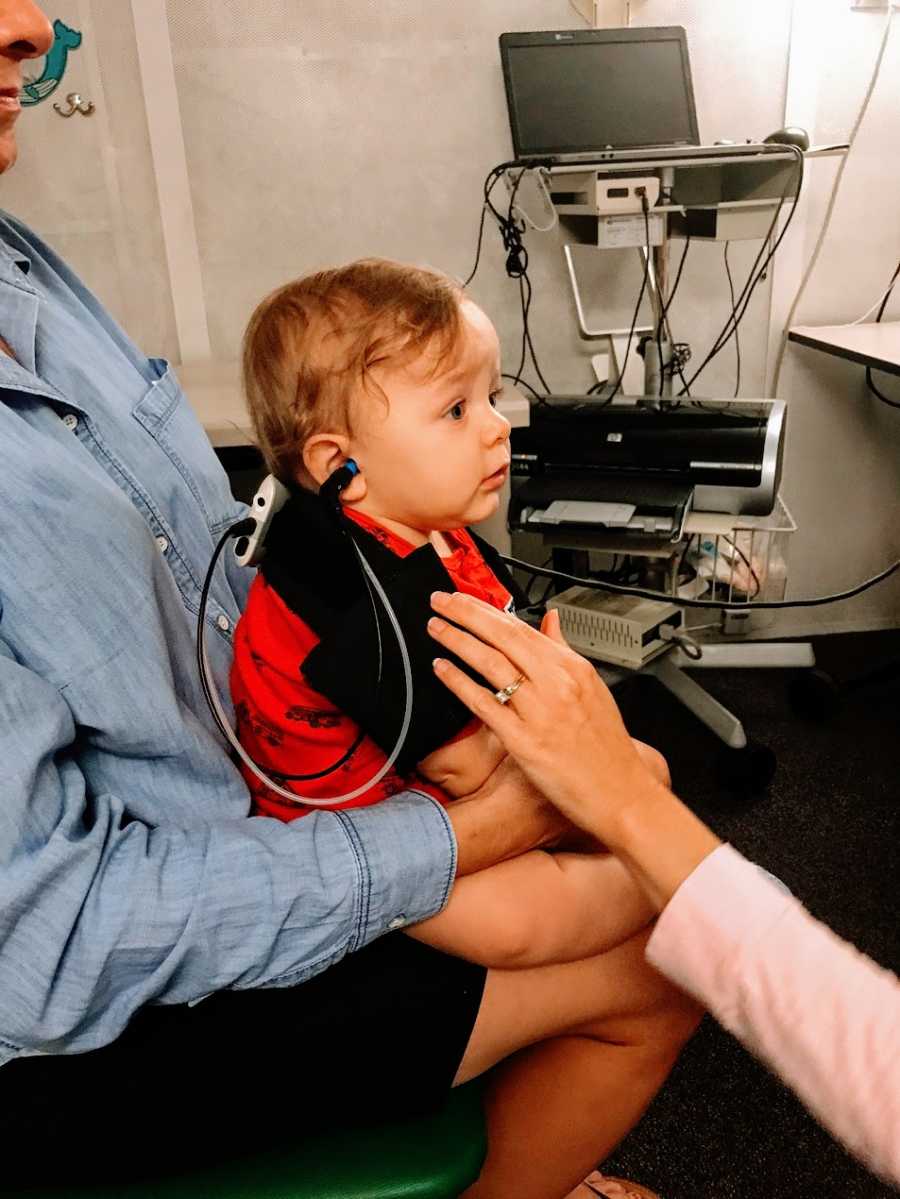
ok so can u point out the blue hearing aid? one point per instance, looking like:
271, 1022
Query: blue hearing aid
331, 489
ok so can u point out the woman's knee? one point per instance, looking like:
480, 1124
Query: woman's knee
654, 761
652, 1011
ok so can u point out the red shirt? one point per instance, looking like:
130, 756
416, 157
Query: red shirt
286, 726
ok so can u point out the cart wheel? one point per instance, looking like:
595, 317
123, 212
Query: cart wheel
746, 771
814, 695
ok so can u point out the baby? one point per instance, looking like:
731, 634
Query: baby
392, 366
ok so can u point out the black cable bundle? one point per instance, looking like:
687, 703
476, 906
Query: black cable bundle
516, 264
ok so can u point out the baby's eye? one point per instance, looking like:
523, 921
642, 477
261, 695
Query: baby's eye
457, 411
494, 397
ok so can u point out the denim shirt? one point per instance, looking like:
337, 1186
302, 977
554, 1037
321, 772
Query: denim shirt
130, 871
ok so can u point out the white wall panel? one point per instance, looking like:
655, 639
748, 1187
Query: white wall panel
321, 130
87, 185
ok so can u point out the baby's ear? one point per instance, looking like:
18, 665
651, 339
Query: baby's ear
323, 454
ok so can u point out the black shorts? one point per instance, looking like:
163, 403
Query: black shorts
379, 1035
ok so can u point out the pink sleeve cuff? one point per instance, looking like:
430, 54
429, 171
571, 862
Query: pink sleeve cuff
724, 906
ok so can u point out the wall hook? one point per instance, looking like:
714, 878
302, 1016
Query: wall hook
76, 104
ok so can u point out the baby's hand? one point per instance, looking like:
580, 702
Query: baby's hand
461, 767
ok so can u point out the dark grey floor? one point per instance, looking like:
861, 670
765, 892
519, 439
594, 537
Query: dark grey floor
829, 826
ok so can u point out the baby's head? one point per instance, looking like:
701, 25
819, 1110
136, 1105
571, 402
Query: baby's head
393, 366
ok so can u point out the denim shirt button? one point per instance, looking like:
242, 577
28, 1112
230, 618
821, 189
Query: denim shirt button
224, 623
163, 544
397, 922
70, 420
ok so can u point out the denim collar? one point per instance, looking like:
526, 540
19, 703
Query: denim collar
19, 303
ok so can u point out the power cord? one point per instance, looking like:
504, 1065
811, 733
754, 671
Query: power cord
511, 231
681, 351
634, 319
757, 270
681, 602
737, 336
869, 382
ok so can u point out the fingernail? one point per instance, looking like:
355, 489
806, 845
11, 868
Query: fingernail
436, 625
440, 665
440, 599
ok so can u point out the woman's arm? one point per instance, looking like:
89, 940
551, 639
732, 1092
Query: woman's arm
824, 1016
817, 1011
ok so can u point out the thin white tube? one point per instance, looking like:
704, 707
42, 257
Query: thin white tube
293, 796
832, 200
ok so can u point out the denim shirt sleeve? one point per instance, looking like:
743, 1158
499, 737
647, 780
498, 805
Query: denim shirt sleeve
130, 871
100, 916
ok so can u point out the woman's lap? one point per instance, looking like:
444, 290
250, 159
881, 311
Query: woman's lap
379, 1035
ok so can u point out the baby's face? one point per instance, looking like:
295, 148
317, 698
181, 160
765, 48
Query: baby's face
437, 454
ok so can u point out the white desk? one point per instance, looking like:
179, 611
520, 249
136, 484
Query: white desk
875, 344
215, 393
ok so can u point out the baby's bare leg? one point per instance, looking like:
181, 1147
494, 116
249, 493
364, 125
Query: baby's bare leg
538, 909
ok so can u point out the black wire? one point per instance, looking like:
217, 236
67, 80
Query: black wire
524, 383
533, 579
634, 319
755, 276
737, 336
878, 394
678, 274
753, 282
523, 308
547, 591
517, 268
516, 263
664, 315
869, 381
537, 369
478, 244
660, 323
740, 553
717, 605
490, 183
887, 294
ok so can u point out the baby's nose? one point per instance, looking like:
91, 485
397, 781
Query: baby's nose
497, 427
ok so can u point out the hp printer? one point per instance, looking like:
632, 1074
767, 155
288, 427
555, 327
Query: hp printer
637, 468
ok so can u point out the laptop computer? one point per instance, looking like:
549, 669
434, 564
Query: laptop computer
605, 95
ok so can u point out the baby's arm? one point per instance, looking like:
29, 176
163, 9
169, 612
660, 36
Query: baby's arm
538, 909
461, 767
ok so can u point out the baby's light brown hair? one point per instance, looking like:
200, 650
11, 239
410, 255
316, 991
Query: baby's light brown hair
310, 347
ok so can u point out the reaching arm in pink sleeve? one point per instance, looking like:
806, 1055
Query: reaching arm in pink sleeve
823, 1016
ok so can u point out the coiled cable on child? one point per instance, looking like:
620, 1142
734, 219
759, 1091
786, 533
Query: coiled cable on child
214, 701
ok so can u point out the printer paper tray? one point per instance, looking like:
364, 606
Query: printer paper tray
662, 504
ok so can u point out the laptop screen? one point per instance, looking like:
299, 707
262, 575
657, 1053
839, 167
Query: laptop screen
580, 90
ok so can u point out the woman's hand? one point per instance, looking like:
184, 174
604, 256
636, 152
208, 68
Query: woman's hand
561, 724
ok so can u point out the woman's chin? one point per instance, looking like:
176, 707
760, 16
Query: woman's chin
9, 151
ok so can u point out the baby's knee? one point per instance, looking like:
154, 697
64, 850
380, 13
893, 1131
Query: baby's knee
655, 762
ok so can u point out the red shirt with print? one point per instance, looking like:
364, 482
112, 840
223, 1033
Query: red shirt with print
287, 727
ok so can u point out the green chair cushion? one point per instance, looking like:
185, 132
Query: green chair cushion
431, 1157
